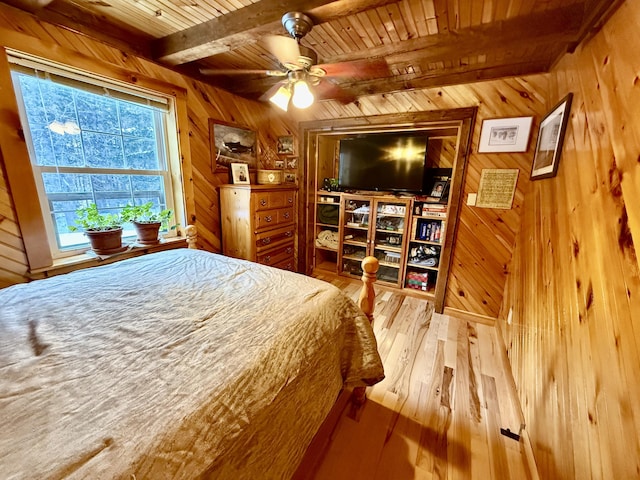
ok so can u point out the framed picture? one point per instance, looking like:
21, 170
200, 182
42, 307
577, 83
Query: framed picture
550, 140
239, 173
285, 145
230, 144
279, 163
438, 189
292, 162
290, 177
505, 135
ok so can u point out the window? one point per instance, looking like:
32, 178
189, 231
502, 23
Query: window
91, 141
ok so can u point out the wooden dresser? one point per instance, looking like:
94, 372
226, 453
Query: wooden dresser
259, 223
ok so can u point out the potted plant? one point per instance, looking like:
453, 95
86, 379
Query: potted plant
104, 230
146, 221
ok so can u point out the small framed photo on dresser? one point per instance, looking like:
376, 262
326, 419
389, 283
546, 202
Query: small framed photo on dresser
239, 173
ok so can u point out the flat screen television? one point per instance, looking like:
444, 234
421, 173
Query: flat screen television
393, 162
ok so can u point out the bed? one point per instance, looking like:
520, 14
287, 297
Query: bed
180, 364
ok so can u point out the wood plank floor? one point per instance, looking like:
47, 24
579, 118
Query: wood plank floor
437, 414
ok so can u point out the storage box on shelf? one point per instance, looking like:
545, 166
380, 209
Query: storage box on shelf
425, 249
327, 230
374, 226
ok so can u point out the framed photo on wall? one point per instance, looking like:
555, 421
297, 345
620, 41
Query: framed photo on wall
239, 173
230, 143
505, 135
285, 145
550, 140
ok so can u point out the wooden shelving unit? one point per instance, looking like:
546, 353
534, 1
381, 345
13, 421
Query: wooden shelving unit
376, 226
326, 230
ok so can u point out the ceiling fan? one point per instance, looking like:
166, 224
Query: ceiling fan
301, 75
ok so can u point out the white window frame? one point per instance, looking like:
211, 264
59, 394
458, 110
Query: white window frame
168, 138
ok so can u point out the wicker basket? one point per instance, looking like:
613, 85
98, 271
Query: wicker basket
269, 177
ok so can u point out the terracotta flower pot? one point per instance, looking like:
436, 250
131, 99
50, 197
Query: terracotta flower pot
105, 242
147, 232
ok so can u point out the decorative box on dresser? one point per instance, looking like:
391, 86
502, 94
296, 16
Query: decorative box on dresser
259, 223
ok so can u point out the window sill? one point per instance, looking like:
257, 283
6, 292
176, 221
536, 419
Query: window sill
86, 260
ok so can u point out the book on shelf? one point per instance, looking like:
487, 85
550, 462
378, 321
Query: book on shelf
434, 214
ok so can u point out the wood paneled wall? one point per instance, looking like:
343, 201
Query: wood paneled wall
203, 102
574, 282
485, 236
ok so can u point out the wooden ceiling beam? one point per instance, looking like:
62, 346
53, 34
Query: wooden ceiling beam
254, 88
561, 24
596, 14
447, 76
247, 25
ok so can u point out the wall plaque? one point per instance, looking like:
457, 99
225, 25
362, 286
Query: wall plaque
497, 188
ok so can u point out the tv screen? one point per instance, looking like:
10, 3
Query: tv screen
383, 162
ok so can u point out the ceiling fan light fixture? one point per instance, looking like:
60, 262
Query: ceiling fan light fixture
281, 98
302, 96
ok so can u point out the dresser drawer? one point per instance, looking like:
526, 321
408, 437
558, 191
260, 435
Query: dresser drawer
273, 218
286, 265
278, 199
273, 238
276, 255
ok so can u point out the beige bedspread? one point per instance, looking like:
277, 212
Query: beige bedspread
180, 364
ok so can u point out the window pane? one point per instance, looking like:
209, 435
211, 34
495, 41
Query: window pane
136, 121
58, 102
32, 99
42, 144
97, 114
103, 151
68, 150
67, 183
147, 183
140, 154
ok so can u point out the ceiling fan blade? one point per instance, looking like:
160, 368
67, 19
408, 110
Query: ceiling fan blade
327, 90
285, 49
358, 69
231, 71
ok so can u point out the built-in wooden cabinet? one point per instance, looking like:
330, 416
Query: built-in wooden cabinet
448, 140
327, 230
406, 234
373, 226
424, 252
259, 223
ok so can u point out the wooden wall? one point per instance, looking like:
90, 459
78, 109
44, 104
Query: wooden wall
204, 102
485, 236
574, 283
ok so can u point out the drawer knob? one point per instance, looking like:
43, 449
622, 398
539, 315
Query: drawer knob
267, 259
289, 250
290, 200
268, 218
266, 241
263, 202
288, 234
286, 215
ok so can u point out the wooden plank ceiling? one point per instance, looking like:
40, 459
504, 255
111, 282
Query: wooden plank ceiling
376, 46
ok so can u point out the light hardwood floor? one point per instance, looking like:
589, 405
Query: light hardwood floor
437, 414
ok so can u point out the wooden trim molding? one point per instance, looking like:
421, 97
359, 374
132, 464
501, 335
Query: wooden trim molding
470, 316
462, 119
19, 173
